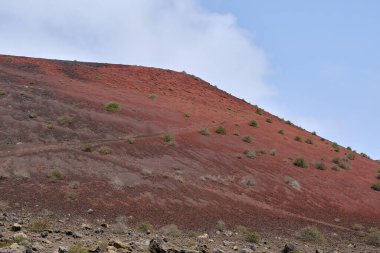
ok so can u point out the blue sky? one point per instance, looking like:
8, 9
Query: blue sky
313, 62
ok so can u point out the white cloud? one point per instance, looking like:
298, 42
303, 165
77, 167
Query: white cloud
179, 35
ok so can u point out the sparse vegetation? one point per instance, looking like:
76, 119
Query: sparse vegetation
281, 131
220, 225
373, 237
39, 226
365, 155
65, 120
250, 154
171, 230
248, 180
309, 141
343, 163
268, 120
86, 147
335, 168
350, 156
50, 126
221, 130
71, 195
3, 205
260, 152
336, 147
357, 227
298, 138
311, 234
112, 107
97, 78
247, 139
319, 165
77, 248
56, 175
145, 227
259, 111
152, 96
253, 123
376, 186
104, 150
273, 152
186, 115
169, 138
130, 140
204, 131
253, 237
300, 162
2, 93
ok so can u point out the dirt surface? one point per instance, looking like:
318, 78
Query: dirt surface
49, 109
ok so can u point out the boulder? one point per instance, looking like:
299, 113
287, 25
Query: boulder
289, 247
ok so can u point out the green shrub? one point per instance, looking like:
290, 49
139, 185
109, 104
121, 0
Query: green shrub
349, 148
220, 225
309, 141
319, 165
300, 162
169, 138
336, 147
65, 120
253, 237
298, 138
204, 131
221, 130
259, 111
77, 248
97, 78
373, 237
2, 93
247, 139
152, 96
39, 226
350, 156
289, 122
343, 163
105, 150
281, 131
365, 155
250, 154
56, 175
268, 120
112, 107
311, 234
253, 123
376, 186
86, 147
357, 227
145, 227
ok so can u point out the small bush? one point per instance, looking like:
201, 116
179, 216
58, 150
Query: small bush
112, 107
204, 131
336, 147
247, 139
309, 141
259, 111
289, 122
335, 168
260, 152
378, 176
86, 147
169, 139
39, 226
56, 175
50, 126
97, 78
343, 163
152, 96
253, 237
2, 93
273, 152
186, 115
65, 120
250, 154
130, 140
298, 138
350, 156
311, 235
171, 230
220, 225
77, 248
281, 132
105, 150
221, 130
314, 133
373, 237
253, 123
365, 155
71, 195
268, 120
349, 148
300, 162
319, 165
376, 186
357, 227
145, 227
3, 205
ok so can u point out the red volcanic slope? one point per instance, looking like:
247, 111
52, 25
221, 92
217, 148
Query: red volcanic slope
51, 108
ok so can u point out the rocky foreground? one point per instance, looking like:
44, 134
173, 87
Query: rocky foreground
24, 233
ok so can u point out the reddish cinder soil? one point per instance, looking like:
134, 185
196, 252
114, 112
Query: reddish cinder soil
192, 184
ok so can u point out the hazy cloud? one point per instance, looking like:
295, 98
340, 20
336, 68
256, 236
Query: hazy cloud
179, 35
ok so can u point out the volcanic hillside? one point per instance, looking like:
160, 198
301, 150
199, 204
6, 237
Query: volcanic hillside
167, 147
